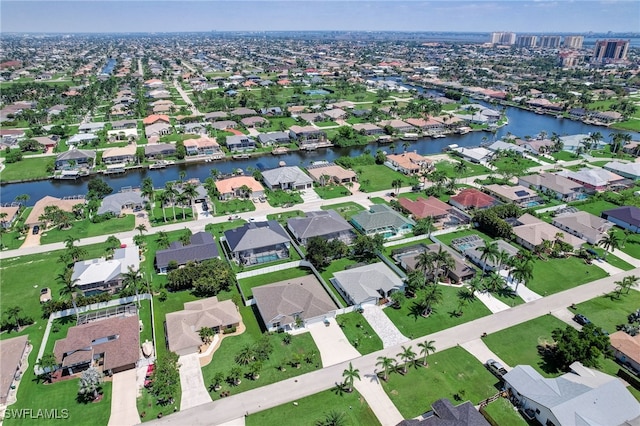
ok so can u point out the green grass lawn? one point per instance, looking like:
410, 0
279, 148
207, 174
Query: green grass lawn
224, 358
409, 321
247, 284
223, 208
283, 217
518, 344
472, 169
555, 275
518, 165
632, 245
633, 125
447, 238
529, 336
346, 210
279, 198
12, 239
85, 228
504, 413
564, 156
332, 191
377, 178
608, 312
314, 408
612, 259
389, 250
26, 169
158, 216
359, 332
61, 395
380, 200
594, 207
451, 372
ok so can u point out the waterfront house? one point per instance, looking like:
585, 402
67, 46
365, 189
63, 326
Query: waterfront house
75, 159
558, 186
239, 186
116, 203
119, 155
11, 214
398, 126
368, 129
626, 217
582, 393
583, 225
293, 303
500, 146
240, 143
257, 242
158, 150
182, 328
287, 178
101, 275
203, 145
40, 206
273, 138
382, 219
627, 170
325, 173
535, 146
308, 137
113, 343
327, 224
367, 285
408, 163
519, 195
201, 247
596, 179
475, 155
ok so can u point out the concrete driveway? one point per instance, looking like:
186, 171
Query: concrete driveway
379, 402
333, 345
566, 315
123, 399
478, 349
194, 392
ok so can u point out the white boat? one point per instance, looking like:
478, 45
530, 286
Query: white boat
438, 136
409, 137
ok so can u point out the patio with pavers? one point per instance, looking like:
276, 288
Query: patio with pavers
383, 326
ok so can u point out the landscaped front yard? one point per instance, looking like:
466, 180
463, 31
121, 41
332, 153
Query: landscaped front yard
223, 208
332, 191
283, 356
85, 228
377, 178
315, 408
279, 198
453, 374
555, 275
359, 332
412, 324
608, 312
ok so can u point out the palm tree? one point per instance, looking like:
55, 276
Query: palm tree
489, 254
385, 363
609, 242
460, 168
189, 189
350, 374
164, 198
522, 272
475, 284
3, 219
141, 228
147, 192
170, 190
502, 258
90, 383
332, 418
432, 296
14, 313
630, 281
246, 355
162, 240
407, 355
396, 184
443, 262
182, 199
426, 348
70, 241
132, 279
558, 237
494, 282
424, 261
415, 281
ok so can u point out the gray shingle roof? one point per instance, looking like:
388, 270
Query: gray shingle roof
202, 247
363, 283
380, 216
291, 174
113, 203
317, 224
256, 235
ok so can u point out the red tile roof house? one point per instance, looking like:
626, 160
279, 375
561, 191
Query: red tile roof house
471, 198
112, 343
156, 118
429, 207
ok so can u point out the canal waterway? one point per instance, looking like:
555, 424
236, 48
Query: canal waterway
521, 123
108, 69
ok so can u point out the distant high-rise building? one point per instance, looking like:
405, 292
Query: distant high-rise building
569, 58
549, 42
610, 51
573, 42
526, 41
503, 38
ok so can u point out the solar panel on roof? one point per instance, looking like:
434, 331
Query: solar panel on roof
521, 193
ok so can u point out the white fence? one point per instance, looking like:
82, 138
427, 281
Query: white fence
268, 269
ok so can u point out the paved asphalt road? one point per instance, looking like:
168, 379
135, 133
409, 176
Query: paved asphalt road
290, 390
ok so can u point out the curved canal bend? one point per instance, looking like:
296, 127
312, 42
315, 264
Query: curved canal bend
521, 123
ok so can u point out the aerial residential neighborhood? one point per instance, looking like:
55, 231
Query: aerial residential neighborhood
353, 226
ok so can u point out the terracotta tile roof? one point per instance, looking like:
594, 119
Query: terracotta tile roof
226, 186
425, 207
471, 197
156, 117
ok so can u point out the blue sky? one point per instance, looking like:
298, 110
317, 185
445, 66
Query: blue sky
357, 15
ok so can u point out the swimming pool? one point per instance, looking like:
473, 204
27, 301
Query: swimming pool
464, 246
532, 204
266, 258
316, 92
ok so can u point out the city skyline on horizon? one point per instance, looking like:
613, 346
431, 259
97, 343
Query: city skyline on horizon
519, 16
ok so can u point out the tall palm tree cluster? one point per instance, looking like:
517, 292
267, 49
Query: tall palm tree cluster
407, 357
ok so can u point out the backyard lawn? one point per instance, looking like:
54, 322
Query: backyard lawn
504, 413
346, 210
448, 167
246, 284
594, 207
447, 238
608, 312
377, 178
85, 228
314, 408
359, 332
453, 374
412, 324
223, 361
283, 217
26, 169
555, 275
564, 156
336, 266
516, 165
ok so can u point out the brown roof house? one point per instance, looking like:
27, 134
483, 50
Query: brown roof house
532, 232
41, 204
183, 327
293, 303
626, 349
12, 353
460, 271
112, 343
471, 198
426, 207
331, 172
408, 163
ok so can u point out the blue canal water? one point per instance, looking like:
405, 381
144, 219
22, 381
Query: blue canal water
521, 123
108, 69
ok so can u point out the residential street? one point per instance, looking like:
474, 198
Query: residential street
290, 390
